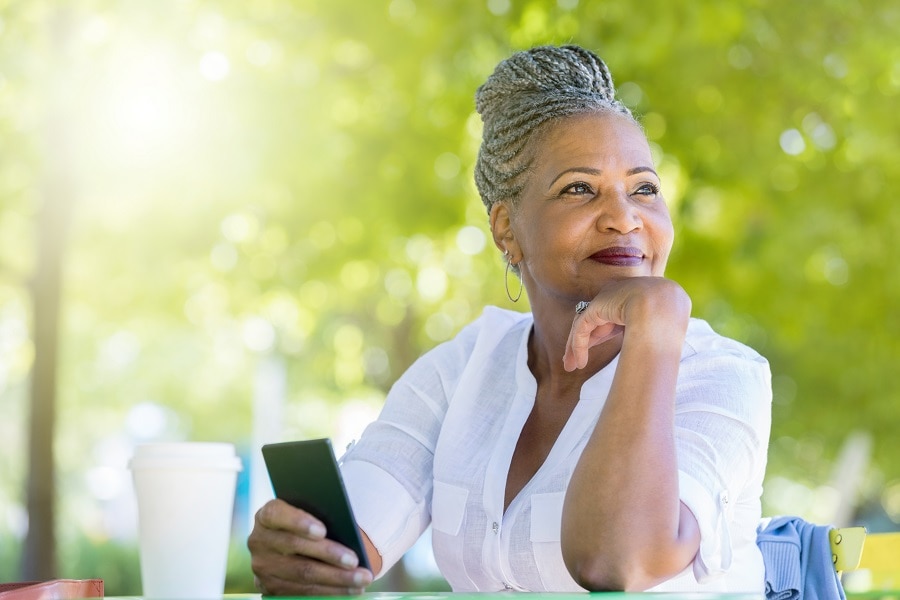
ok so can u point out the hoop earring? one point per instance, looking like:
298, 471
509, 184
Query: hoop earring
506, 281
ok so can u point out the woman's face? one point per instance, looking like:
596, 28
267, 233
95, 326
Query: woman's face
591, 210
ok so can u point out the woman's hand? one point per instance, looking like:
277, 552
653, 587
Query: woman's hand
292, 557
656, 302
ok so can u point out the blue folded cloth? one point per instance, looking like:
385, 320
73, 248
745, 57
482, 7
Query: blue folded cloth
797, 556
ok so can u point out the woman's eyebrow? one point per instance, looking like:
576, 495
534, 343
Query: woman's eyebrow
585, 170
637, 170
594, 171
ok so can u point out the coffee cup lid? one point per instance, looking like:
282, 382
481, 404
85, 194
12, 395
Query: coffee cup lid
200, 455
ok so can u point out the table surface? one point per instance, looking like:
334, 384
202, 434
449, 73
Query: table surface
504, 596
882, 595
553, 596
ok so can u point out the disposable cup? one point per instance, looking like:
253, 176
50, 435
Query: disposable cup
185, 497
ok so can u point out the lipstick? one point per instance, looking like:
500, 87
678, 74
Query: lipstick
619, 256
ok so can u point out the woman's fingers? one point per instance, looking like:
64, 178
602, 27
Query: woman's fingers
601, 320
656, 303
279, 515
283, 529
291, 556
286, 575
324, 550
588, 330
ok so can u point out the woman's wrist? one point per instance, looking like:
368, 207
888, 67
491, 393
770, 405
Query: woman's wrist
660, 317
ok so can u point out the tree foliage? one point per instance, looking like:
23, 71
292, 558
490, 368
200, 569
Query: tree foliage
292, 179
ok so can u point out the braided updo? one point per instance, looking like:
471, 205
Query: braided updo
524, 92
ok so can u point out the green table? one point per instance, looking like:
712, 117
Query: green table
559, 596
523, 596
872, 595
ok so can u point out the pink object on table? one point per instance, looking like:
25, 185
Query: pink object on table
55, 589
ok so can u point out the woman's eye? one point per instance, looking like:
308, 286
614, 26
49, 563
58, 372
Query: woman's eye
648, 189
577, 189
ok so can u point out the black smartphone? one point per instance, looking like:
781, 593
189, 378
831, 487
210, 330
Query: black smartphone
305, 474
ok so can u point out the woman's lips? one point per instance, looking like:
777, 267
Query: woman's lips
619, 256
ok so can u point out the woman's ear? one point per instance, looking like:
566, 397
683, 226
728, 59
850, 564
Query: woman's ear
501, 228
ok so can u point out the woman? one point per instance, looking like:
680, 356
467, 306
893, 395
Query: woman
604, 441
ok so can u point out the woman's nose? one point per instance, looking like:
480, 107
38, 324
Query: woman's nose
618, 214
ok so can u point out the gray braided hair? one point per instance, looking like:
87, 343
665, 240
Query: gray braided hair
526, 91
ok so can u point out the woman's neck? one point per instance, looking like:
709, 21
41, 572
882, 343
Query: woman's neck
547, 344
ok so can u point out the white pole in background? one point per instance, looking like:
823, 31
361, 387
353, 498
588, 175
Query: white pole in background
269, 394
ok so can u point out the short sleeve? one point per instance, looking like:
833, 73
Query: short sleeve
722, 422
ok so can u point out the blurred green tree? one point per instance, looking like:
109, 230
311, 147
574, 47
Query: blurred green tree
292, 180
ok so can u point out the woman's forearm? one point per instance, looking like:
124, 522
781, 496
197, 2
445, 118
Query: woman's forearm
623, 524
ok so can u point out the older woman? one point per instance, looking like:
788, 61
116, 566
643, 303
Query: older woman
606, 440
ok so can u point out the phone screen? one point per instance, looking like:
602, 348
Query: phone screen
305, 474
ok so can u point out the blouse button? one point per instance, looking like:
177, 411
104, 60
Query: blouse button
506, 586
495, 527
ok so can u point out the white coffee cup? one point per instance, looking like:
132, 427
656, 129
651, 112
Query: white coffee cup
185, 496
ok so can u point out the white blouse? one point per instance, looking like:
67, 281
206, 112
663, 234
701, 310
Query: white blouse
440, 452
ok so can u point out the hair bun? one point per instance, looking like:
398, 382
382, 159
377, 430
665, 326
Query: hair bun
547, 71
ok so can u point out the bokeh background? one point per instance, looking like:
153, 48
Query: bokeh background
241, 221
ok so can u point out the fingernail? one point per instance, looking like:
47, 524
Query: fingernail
361, 578
348, 560
317, 530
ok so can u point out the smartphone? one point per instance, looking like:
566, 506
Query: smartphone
305, 474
